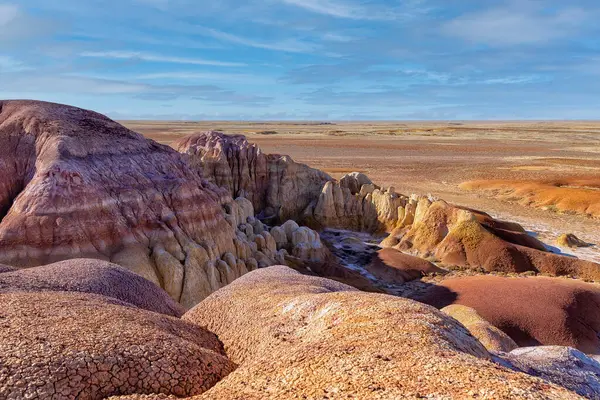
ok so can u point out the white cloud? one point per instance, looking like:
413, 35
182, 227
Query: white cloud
9, 64
133, 55
336, 37
340, 9
513, 80
205, 76
514, 25
289, 45
30, 83
160, 4
8, 12
329, 7
57, 84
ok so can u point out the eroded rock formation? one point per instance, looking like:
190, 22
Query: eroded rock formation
371, 209
456, 236
276, 185
570, 240
281, 189
311, 337
75, 184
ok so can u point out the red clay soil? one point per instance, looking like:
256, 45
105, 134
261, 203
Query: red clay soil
532, 311
393, 266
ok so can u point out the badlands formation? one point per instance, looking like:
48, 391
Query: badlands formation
212, 270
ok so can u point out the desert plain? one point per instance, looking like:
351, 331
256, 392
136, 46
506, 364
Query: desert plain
544, 175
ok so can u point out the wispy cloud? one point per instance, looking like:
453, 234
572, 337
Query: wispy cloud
329, 7
9, 64
74, 84
289, 45
336, 37
8, 12
342, 9
160, 4
515, 25
205, 76
139, 56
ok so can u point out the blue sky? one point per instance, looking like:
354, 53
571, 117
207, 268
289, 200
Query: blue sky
306, 59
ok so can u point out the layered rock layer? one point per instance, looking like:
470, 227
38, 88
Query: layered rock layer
460, 237
76, 184
276, 185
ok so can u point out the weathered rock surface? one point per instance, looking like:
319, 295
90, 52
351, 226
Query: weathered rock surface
92, 276
354, 182
370, 210
6, 268
275, 184
281, 189
570, 240
74, 184
563, 366
308, 337
74, 345
491, 337
532, 311
459, 237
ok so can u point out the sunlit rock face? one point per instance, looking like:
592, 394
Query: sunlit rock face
276, 185
75, 184
456, 236
281, 189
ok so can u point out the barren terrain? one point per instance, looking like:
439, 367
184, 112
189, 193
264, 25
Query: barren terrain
543, 174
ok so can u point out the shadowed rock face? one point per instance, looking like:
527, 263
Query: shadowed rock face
92, 276
74, 184
311, 337
6, 268
532, 311
276, 185
67, 345
393, 267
